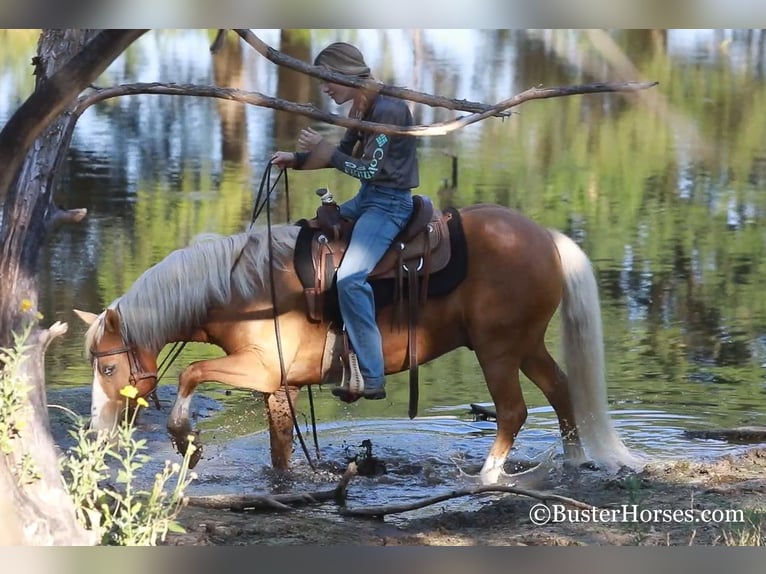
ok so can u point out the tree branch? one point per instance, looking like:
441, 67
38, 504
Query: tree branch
58, 329
379, 511
311, 111
53, 96
282, 59
59, 216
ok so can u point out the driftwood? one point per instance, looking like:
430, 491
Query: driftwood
279, 502
749, 485
287, 502
747, 434
379, 511
482, 413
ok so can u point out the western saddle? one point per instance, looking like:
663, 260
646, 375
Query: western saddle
421, 248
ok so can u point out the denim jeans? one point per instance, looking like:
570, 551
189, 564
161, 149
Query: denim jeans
380, 214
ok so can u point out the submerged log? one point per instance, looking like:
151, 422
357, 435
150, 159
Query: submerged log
482, 413
745, 434
279, 502
546, 497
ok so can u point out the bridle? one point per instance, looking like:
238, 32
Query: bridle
136, 369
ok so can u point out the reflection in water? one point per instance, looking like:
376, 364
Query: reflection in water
295, 87
663, 191
228, 68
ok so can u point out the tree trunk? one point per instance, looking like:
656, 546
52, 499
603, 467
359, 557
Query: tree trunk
39, 511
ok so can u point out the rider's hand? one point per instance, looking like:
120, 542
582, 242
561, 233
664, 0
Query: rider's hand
283, 159
308, 140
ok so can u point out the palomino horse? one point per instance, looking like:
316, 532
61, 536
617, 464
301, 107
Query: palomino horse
518, 273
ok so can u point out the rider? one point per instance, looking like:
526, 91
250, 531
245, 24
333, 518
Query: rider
387, 167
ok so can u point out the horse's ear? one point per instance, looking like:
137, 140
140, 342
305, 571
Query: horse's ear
88, 318
112, 321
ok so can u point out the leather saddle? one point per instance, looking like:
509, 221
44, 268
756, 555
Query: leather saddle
420, 249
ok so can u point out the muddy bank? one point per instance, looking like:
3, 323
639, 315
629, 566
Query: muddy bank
720, 502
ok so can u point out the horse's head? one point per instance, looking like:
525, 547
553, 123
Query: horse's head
117, 366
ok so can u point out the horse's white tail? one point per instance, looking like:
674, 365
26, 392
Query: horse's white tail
583, 350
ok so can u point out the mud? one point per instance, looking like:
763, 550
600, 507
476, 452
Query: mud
670, 503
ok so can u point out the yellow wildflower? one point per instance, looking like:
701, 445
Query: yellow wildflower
142, 402
129, 391
26, 305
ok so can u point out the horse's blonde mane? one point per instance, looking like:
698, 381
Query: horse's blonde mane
174, 295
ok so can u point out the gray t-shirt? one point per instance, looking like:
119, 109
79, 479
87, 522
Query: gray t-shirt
389, 161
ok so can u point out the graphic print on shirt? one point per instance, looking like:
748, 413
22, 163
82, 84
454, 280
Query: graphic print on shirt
367, 172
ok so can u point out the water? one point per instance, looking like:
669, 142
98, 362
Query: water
662, 189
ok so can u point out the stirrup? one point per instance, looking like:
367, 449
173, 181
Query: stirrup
355, 382
352, 382
354, 389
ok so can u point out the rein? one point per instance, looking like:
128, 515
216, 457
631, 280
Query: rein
136, 372
260, 203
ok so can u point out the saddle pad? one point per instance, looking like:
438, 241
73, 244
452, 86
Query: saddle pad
440, 283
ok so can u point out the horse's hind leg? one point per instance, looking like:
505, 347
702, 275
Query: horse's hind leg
280, 425
502, 376
543, 371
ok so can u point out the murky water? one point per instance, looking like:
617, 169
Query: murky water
664, 190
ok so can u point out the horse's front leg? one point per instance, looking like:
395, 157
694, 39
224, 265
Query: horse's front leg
243, 370
281, 425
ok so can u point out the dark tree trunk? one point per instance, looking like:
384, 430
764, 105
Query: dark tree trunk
39, 511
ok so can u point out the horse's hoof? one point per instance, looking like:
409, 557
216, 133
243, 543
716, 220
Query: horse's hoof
181, 442
503, 479
183, 447
577, 465
195, 456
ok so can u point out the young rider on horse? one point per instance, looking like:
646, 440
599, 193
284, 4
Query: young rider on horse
387, 167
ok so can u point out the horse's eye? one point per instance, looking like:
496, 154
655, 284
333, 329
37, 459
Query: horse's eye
108, 370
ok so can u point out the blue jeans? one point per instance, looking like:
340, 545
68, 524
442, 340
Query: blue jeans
380, 214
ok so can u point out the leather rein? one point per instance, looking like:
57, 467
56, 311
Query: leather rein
263, 200
136, 369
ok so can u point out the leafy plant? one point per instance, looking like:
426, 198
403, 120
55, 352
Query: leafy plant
13, 392
102, 470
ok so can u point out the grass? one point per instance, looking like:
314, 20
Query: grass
750, 533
